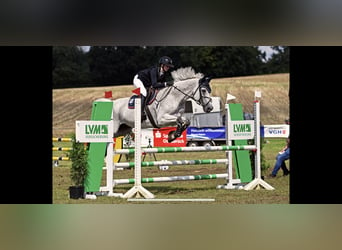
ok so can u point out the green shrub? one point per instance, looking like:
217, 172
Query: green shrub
79, 165
263, 163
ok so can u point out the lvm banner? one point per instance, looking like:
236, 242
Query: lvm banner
94, 131
241, 130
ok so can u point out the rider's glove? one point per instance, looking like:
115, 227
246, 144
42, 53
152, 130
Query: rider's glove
169, 83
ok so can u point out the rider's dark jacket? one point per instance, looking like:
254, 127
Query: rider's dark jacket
151, 77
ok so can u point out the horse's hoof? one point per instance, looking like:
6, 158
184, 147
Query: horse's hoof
170, 139
171, 136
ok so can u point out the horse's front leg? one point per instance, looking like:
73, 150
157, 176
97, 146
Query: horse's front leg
167, 120
182, 124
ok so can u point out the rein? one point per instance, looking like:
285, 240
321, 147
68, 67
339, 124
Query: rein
164, 96
185, 94
191, 96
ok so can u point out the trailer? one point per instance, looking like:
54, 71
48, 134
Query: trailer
205, 128
206, 136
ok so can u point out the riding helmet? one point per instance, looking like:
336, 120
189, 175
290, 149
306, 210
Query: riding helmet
166, 61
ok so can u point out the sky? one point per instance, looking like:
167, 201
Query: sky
269, 51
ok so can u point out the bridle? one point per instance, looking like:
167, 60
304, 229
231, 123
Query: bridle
192, 96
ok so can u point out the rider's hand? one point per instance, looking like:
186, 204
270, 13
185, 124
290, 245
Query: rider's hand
169, 83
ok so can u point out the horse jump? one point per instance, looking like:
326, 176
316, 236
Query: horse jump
108, 113
138, 190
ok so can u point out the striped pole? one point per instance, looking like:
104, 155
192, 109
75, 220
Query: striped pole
172, 178
176, 162
187, 149
61, 149
60, 158
65, 139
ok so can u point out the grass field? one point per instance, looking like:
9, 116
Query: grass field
182, 189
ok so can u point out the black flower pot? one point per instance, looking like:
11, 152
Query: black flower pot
76, 192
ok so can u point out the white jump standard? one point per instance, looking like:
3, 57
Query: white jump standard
257, 182
137, 190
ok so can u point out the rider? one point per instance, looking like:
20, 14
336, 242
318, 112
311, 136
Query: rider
154, 77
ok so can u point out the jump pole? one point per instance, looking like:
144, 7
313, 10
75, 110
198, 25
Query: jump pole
137, 190
186, 149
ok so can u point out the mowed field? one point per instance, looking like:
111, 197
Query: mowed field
74, 104
70, 105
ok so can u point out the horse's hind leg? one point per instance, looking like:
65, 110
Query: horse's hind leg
115, 128
123, 130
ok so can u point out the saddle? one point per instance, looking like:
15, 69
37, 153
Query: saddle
151, 96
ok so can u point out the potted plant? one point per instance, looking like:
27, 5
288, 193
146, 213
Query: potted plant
79, 169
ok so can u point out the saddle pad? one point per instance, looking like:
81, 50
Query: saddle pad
131, 101
151, 97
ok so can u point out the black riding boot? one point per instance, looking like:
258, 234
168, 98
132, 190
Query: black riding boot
143, 103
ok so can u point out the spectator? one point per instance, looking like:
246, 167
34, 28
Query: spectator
281, 157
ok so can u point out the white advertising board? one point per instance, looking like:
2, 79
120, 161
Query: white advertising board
241, 130
276, 131
94, 131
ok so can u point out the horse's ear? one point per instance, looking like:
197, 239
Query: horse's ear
204, 82
206, 79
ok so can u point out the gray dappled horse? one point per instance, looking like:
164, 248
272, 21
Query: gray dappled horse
169, 104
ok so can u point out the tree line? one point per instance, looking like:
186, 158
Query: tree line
73, 67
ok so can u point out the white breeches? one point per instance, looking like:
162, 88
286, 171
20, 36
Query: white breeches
139, 84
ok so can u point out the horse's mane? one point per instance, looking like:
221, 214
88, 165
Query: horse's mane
184, 74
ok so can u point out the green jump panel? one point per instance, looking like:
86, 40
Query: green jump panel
241, 159
101, 111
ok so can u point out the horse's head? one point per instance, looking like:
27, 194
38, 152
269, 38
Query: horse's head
197, 87
204, 94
